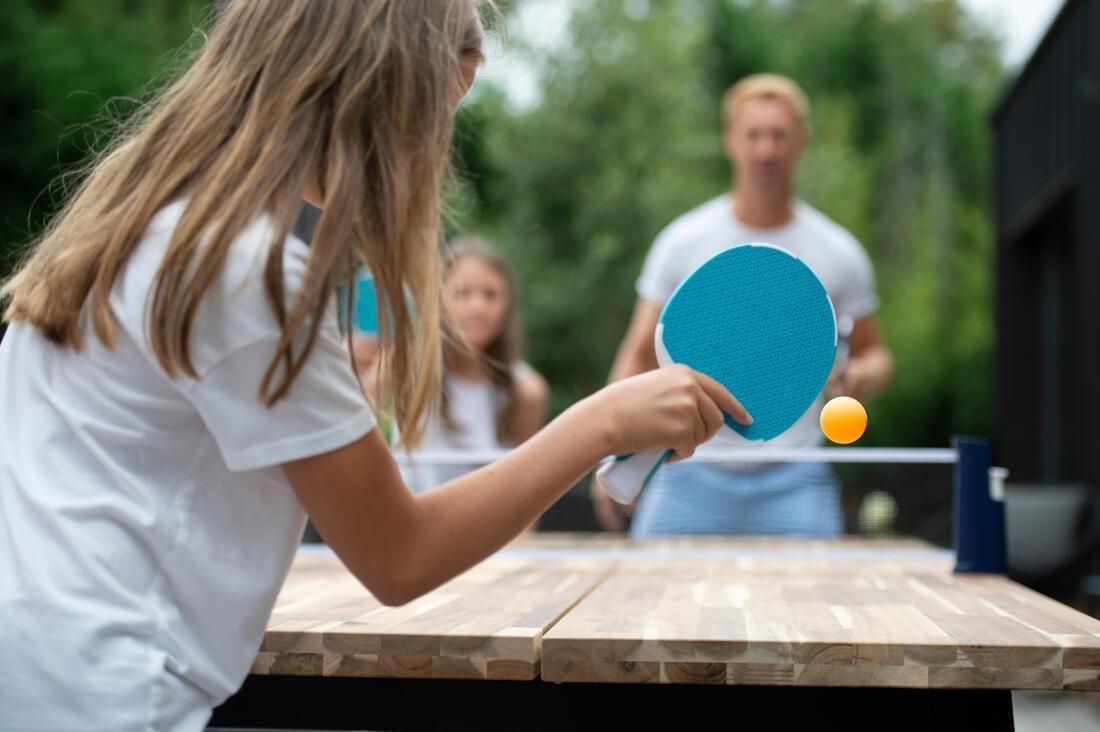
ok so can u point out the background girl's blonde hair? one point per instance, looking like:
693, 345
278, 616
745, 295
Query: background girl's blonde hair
356, 97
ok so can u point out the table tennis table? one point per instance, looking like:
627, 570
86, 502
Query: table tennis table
577, 631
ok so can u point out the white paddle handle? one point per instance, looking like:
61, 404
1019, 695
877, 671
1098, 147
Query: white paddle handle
624, 477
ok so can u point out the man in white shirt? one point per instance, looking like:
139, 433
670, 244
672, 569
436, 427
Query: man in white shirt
765, 131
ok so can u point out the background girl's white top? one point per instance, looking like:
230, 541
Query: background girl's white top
474, 406
145, 526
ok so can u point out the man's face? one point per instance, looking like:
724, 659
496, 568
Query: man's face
765, 141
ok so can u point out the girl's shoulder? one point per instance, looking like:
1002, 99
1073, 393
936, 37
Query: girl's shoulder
234, 311
530, 384
521, 369
242, 273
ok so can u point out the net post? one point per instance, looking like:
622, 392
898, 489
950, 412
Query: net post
979, 526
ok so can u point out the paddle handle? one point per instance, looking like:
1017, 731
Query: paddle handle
624, 477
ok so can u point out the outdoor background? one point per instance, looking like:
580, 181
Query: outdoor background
613, 132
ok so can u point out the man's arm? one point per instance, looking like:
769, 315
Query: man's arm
636, 353
870, 363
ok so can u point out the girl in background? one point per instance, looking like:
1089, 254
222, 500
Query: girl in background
492, 399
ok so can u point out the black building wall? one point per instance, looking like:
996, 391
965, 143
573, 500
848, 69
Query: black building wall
1048, 256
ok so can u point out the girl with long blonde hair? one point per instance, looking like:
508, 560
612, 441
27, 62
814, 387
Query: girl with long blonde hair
492, 398
175, 394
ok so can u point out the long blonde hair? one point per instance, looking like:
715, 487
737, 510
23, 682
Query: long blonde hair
354, 96
498, 359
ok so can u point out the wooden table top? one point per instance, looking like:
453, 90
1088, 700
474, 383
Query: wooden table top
851, 612
487, 623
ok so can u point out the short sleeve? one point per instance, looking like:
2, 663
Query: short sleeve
234, 337
324, 409
858, 296
658, 279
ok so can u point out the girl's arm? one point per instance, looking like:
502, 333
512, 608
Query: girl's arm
401, 546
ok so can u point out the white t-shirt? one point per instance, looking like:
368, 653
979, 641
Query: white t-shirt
145, 526
474, 406
827, 248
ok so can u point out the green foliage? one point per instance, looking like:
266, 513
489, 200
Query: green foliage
67, 67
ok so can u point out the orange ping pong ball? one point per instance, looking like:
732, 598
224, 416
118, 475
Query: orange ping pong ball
843, 420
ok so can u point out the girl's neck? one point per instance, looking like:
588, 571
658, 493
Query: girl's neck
467, 367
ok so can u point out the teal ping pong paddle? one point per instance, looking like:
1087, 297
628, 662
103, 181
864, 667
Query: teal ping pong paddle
757, 319
363, 306
365, 314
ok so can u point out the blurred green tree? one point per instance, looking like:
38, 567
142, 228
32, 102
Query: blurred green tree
69, 67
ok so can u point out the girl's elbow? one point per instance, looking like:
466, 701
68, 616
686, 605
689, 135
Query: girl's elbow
392, 598
393, 592
391, 585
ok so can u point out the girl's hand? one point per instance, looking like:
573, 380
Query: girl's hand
673, 407
670, 407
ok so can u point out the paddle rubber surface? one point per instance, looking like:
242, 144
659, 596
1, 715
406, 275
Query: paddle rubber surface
757, 319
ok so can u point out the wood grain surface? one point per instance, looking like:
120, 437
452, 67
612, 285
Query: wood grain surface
845, 617
487, 623
854, 612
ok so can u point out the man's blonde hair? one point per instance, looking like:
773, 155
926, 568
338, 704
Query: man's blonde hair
766, 86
